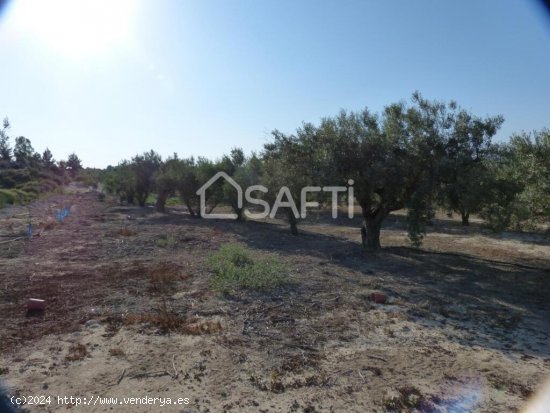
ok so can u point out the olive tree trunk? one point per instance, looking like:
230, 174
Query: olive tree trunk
465, 218
160, 205
293, 222
370, 231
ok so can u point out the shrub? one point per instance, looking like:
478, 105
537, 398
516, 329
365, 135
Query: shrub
235, 267
32, 187
76, 352
15, 196
8, 196
166, 241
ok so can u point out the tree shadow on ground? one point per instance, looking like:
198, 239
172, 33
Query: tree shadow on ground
501, 305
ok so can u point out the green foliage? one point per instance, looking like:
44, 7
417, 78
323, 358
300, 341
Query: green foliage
5, 148
28, 175
47, 158
11, 178
188, 184
194, 174
246, 171
15, 196
90, 176
393, 159
144, 168
74, 165
23, 151
166, 181
166, 241
419, 213
121, 181
529, 163
236, 268
293, 161
173, 201
465, 178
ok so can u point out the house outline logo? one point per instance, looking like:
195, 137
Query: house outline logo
202, 194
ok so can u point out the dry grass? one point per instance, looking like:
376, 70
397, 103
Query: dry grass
173, 322
163, 276
116, 352
126, 232
408, 399
77, 351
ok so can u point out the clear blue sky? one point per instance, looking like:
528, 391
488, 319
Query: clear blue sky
200, 77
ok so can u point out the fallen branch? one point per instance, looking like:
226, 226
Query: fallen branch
121, 377
378, 358
159, 373
176, 374
11, 240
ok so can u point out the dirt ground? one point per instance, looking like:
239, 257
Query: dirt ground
130, 313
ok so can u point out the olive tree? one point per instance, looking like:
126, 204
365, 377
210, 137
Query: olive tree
193, 174
523, 168
465, 176
145, 167
246, 171
290, 162
121, 181
167, 179
393, 159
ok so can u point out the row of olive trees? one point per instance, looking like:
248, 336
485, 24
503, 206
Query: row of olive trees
411, 156
415, 155
145, 174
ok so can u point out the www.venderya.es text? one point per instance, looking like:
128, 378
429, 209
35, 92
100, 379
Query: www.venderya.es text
95, 400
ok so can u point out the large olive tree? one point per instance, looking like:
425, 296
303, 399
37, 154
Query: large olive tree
465, 176
393, 159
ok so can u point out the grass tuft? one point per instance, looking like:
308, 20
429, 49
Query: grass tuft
76, 352
236, 267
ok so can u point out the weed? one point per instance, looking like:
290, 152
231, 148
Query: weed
164, 320
164, 276
126, 232
117, 352
76, 352
166, 241
408, 399
173, 201
389, 332
235, 268
167, 321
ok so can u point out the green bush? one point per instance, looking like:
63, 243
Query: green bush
33, 187
166, 241
173, 201
15, 196
11, 178
235, 268
7, 197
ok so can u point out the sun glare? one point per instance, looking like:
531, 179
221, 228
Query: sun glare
78, 29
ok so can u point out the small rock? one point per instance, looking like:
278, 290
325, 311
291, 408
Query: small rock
92, 323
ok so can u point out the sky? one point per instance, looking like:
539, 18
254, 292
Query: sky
108, 79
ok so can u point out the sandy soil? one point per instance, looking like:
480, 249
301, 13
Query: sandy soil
130, 314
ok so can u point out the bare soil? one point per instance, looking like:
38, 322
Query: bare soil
130, 313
